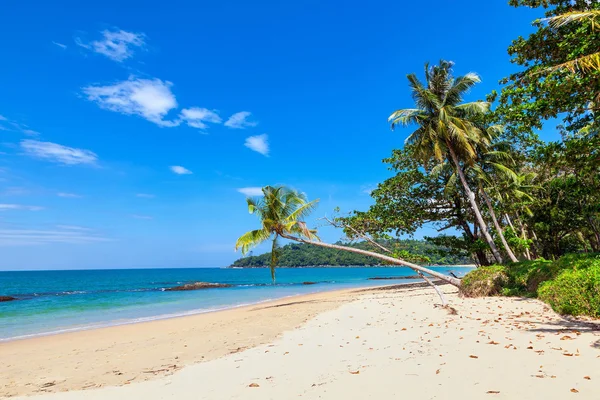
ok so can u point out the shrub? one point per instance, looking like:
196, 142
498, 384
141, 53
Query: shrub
484, 281
574, 291
578, 261
526, 276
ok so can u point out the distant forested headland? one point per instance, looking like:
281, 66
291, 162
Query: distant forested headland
305, 255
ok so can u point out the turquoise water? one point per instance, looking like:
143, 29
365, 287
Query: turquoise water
61, 301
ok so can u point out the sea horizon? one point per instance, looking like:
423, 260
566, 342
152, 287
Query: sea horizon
57, 301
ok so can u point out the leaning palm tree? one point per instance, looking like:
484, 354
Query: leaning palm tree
282, 211
493, 168
447, 128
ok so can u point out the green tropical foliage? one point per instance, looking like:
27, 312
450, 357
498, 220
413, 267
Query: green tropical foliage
571, 285
447, 128
559, 75
304, 255
483, 178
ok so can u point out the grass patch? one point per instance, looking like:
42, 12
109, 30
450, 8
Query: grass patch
574, 292
485, 281
571, 284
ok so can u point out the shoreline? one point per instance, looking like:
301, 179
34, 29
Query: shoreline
164, 345
326, 345
182, 314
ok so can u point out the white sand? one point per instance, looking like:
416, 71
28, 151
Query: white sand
397, 345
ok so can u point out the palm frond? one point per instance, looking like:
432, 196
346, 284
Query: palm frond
460, 87
303, 211
254, 206
251, 239
473, 109
574, 16
424, 98
406, 117
588, 63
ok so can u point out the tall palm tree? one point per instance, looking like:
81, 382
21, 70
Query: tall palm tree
490, 169
282, 211
447, 129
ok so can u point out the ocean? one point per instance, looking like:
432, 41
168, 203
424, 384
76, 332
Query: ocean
51, 302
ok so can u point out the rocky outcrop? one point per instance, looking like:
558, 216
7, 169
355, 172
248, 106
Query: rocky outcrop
7, 298
197, 286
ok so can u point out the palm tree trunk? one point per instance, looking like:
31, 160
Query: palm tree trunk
509, 221
450, 279
509, 251
475, 207
426, 279
523, 235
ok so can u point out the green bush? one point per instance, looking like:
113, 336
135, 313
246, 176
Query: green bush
526, 276
574, 291
578, 261
484, 281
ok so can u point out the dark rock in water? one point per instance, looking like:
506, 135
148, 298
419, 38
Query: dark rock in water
197, 286
309, 283
385, 278
7, 298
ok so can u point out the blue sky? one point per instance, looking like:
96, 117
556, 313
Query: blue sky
131, 129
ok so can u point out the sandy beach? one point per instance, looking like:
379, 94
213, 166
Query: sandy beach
385, 343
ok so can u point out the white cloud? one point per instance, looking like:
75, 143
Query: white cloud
69, 195
145, 195
17, 126
137, 216
16, 191
58, 153
196, 117
179, 170
151, 99
63, 234
258, 143
6, 207
367, 189
251, 191
73, 227
240, 120
117, 45
30, 132
62, 46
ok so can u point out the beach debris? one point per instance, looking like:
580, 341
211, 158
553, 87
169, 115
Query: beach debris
587, 377
574, 390
253, 385
355, 372
472, 356
197, 286
309, 283
7, 298
493, 392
